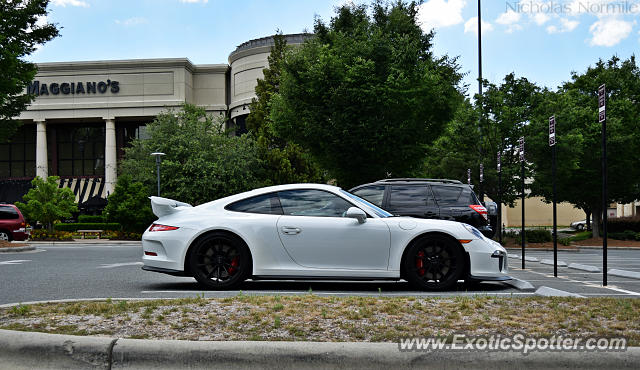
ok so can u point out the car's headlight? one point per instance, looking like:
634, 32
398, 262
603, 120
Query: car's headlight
473, 231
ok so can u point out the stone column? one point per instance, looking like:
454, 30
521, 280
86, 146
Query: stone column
42, 162
110, 158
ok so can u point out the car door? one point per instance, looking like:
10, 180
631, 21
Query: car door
315, 233
412, 200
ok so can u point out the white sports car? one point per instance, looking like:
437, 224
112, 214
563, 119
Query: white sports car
312, 231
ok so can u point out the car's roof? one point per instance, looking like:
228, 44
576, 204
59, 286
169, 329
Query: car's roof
415, 181
271, 189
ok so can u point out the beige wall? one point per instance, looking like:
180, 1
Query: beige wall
539, 213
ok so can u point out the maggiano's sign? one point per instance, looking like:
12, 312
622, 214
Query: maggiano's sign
75, 88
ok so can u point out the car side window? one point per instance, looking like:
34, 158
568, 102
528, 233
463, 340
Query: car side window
263, 204
8, 213
374, 194
409, 196
310, 202
446, 195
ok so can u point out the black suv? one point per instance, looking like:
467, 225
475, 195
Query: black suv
428, 198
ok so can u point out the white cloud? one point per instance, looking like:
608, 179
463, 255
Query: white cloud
440, 13
510, 19
472, 26
132, 21
194, 1
541, 18
609, 31
64, 3
566, 25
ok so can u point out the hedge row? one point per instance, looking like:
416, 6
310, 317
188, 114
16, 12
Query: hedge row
531, 235
113, 226
622, 224
90, 219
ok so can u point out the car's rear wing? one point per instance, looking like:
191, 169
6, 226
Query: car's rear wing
164, 206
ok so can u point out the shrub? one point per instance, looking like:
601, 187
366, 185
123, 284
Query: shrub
565, 241
90, 218
87, 226
44, 234
625, 235
122, 235
623, 224
129, 205
47, 203
537, 236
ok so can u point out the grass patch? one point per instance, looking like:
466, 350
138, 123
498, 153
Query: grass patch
311, 317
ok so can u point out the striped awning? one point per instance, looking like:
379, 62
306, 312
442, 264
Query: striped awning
85, 188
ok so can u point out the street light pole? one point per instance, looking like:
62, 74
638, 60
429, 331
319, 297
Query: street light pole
480, 89
158, 155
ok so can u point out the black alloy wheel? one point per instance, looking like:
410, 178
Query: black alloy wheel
434, 263
220, 261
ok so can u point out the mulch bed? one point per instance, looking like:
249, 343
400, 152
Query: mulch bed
6, 244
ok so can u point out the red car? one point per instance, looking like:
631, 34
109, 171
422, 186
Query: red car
12, 224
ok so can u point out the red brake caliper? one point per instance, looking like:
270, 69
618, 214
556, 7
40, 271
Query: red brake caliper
420, 263
234, 265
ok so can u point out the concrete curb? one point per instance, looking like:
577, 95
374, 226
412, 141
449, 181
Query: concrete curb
545, 291
17, 249
624, 273
608, 247
77, 242
23, 350
550, 262
531, 259
588, 268
520, 284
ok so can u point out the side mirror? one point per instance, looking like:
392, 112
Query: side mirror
358, 214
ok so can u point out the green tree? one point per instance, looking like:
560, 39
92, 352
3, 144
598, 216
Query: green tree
47, 203
20, 34
366, 96
285, 162
202, 162
477, 133
129, 205
578, 132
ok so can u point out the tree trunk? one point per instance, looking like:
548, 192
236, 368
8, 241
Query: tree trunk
50, 227
597, 220
588, 212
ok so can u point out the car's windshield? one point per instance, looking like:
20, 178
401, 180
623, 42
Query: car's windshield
377, 210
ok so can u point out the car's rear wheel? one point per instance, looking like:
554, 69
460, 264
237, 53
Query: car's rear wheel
220, 261
434, 262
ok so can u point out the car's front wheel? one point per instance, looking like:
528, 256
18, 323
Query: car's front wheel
220, 261
580, 227
434, 263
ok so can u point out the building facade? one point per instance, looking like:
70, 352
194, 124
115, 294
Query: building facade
85, 113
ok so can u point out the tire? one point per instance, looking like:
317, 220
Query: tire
5, 236
434, 263
580, 227
220, 261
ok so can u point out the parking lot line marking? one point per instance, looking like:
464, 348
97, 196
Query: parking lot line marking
610, 287
112, 265
14, 262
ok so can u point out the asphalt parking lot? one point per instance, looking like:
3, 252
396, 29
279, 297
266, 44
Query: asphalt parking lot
575, 281
102, 270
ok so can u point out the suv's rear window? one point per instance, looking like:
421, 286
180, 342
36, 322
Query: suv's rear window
409, 196
8, 213
453, 195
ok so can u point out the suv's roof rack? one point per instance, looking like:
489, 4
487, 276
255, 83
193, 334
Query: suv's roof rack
409, 179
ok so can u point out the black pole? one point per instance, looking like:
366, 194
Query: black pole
522, 230
158, 172
604, 202
499, 223
555, 220
480, 89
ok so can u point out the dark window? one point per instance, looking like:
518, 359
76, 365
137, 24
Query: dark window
373, 194
409, 196
453, 195
18, 155
310, 202
263, 204
80, 150
8, 213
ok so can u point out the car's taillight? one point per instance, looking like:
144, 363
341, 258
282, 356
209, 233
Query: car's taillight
480, 209
158, 227
22, 224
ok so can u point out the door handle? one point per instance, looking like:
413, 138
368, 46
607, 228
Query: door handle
288, 230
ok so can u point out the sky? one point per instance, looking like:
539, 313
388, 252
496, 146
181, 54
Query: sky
542, 40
